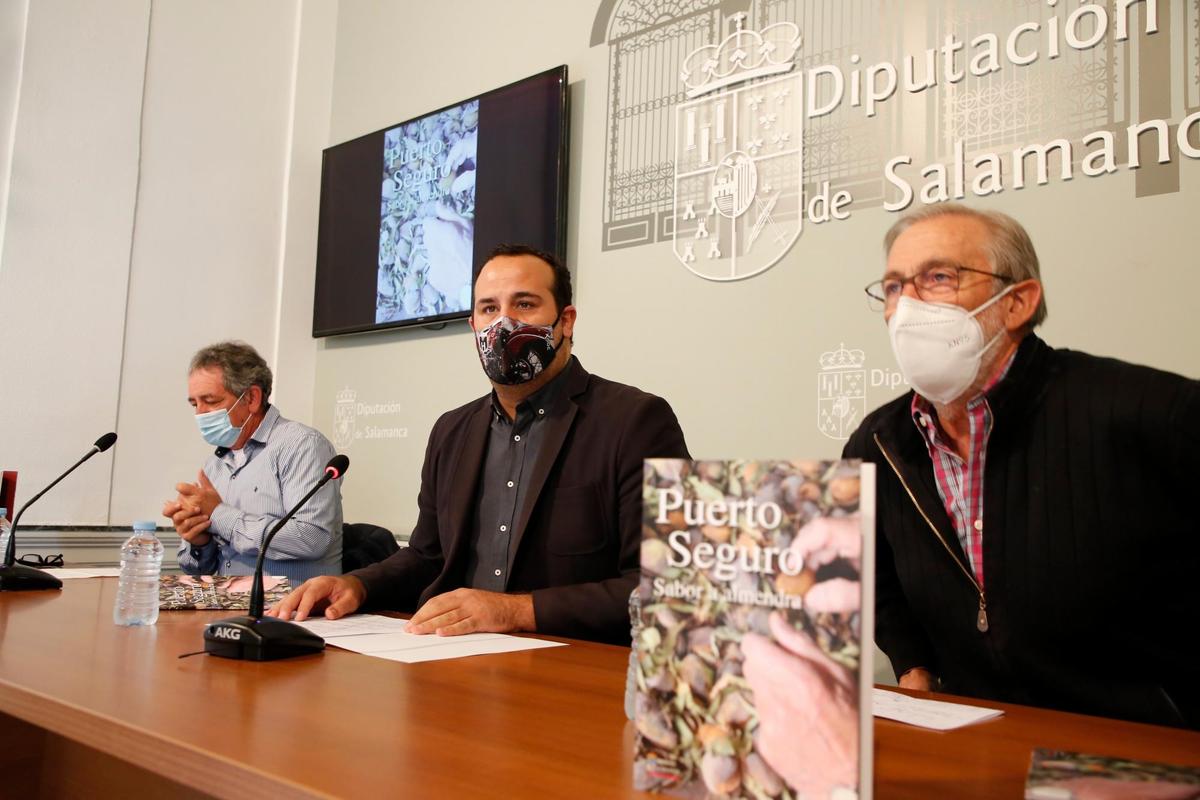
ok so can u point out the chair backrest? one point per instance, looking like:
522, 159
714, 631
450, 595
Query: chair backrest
364, 543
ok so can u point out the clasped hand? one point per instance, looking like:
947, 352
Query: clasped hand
191, 511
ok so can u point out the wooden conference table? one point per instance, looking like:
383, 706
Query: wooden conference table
83, 701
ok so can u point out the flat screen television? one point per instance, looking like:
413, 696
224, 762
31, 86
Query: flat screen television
408, 212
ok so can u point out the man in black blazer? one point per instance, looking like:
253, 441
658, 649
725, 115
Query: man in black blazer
1036, 539
530, 502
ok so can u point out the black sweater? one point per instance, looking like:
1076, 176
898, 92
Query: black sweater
1091, 544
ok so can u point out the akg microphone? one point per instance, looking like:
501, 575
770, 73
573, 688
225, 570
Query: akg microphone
15, 576
258, 638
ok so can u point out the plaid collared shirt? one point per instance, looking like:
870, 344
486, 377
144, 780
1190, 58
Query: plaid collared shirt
960, 481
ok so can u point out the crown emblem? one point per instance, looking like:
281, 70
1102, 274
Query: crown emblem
347, 395
842, 359
742, 55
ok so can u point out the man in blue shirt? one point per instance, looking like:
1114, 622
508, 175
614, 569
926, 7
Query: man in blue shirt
261, 467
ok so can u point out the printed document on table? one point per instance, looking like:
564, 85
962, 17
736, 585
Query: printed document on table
99, 572
933, 714
387, 637
354, 625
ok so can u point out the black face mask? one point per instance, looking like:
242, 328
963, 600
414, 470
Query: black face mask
514, 352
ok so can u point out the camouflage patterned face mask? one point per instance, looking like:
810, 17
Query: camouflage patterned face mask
514, 352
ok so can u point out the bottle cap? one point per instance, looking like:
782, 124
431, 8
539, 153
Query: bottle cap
145, 526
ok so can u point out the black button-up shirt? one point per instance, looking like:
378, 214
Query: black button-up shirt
512, 450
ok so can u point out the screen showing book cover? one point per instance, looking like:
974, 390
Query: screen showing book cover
216, 592
1062, 775
753, 642
409, 212
427, 225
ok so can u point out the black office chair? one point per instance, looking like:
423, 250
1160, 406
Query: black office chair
363, 544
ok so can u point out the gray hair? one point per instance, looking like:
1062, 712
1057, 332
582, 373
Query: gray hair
240, 364
1009, 250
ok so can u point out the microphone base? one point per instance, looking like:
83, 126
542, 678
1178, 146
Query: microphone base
262, 639
20, 578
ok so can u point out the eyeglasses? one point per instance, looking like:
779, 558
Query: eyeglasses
936, 283
39, 560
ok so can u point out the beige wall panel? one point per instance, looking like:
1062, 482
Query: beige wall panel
65, 260
209, 215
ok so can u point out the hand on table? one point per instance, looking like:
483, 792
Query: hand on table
807, 710
337, 595
917, 678
473, 611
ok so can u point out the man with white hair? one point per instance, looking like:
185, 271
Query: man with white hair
1061, 575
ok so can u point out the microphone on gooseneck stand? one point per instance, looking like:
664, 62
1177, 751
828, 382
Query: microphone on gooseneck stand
18, 577
257, 638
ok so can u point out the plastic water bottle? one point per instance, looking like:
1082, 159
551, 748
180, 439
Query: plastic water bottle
5, 531
141, 562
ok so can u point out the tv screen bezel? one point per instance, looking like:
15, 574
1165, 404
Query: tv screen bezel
560, 202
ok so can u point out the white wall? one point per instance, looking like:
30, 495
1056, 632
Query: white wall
12, 46
295, 359
207, 231
67, 244
145, 220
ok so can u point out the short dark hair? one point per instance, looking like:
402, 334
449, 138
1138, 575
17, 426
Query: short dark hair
561, 287
240, 364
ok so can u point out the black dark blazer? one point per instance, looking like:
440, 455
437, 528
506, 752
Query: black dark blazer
578, 535
1091, 543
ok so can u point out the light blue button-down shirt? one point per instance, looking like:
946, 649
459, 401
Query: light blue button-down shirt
258, 485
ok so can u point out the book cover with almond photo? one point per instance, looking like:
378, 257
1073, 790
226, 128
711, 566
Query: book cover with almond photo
754, 639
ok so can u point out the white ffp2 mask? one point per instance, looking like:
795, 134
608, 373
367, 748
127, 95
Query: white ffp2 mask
939, 346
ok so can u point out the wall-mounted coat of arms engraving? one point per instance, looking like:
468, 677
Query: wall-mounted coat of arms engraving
344, 418
738, 160
841, 392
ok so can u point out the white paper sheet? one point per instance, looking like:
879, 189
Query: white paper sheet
933, 714
354, 625
99, 572
386, 637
